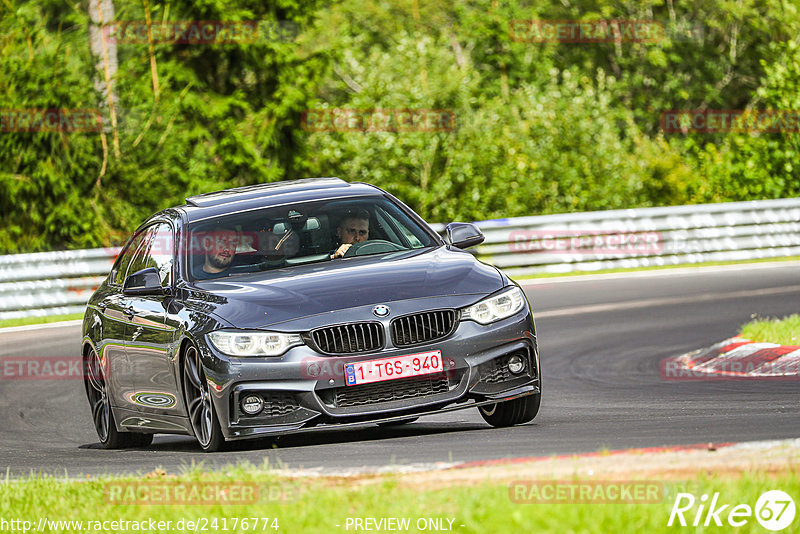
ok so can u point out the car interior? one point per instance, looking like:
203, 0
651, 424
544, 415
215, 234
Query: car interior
275, 238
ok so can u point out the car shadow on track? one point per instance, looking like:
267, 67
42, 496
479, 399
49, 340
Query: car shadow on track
312, 438
338, 436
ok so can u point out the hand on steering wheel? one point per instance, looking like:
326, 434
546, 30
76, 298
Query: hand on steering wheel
371, 246
340, 252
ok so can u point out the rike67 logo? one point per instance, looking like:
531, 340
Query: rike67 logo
774, 510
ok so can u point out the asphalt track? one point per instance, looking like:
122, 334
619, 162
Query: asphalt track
601, 341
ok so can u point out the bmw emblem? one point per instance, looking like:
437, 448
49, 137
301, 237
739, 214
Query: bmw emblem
381, 310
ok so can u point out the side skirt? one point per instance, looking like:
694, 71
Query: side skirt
133, 421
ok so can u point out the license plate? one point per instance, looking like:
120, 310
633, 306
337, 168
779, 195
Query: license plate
419, 364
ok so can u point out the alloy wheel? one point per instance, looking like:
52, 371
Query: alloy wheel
198, 401
98, 395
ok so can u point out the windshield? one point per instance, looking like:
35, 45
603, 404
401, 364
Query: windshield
285, 236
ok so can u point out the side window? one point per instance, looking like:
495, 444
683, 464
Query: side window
139, 259
156, 250
160, 254
125, 257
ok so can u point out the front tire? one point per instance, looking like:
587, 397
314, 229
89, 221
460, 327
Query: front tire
199, 405
102, 414
513, 412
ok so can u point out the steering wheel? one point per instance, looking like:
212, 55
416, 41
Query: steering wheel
372, 246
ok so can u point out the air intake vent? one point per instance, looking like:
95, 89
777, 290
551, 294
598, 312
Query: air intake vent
495, 371
391, 390
349, 338
275, 404
423, 327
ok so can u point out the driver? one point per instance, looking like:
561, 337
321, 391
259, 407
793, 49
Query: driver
353, 228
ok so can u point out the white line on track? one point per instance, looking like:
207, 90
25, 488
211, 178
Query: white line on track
28, 327
666, 271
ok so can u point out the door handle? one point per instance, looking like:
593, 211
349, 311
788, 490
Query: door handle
102, 307
129, 313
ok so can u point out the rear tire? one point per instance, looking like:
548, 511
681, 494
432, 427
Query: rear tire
102, 414
513, 412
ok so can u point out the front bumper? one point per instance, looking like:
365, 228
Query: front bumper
304, 389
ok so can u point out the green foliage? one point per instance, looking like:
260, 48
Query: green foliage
45, 176
551, 140
223, 116
539, 127
751, 165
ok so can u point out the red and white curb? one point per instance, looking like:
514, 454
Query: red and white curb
735, 358
790, 446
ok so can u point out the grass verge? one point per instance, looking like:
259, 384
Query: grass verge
784, 331
327, 505
39, 320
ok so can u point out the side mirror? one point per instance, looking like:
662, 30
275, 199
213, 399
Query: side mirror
463, 235
144, 282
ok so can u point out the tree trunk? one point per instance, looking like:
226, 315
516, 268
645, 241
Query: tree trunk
101, 13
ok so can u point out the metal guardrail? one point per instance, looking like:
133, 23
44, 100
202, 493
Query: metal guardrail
51, 283
643, 237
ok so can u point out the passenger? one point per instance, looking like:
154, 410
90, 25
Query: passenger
353, 228
220, 248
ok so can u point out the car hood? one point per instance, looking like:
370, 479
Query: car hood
268, 298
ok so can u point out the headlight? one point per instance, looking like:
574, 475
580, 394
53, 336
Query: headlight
496, 307
253, 343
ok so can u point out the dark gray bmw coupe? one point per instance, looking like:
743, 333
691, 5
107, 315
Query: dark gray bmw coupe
311, 303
